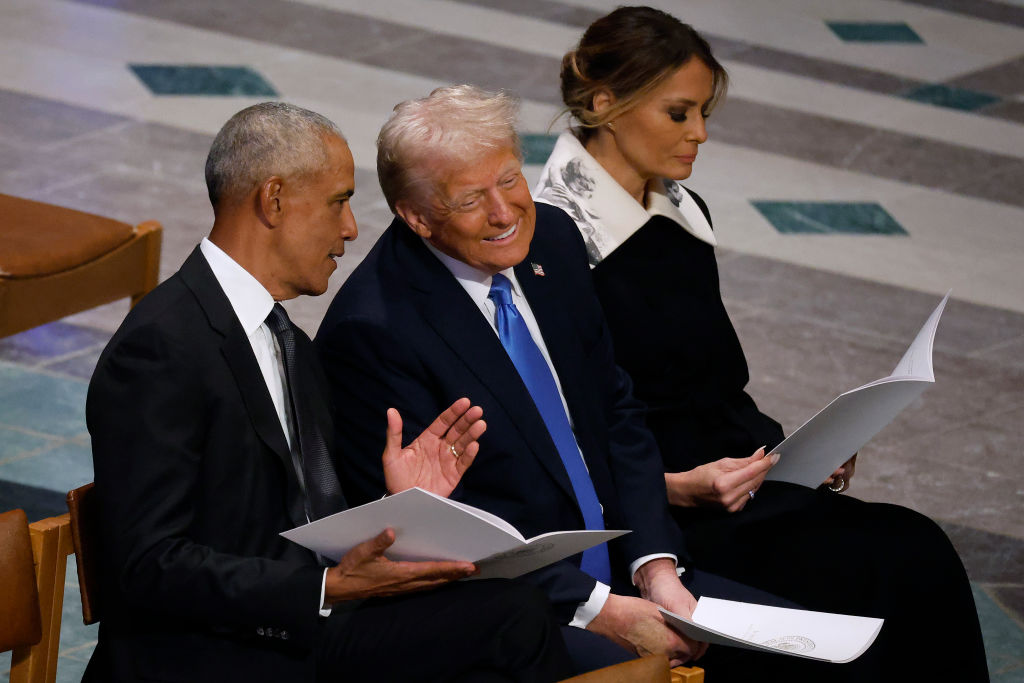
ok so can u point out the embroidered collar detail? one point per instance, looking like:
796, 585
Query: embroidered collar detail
604, 212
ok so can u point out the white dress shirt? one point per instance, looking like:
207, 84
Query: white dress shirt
478, 285
252, 304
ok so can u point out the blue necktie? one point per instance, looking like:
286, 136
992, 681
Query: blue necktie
535, 373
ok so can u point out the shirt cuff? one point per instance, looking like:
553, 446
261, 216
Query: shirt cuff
647, 558
324, 611
586, 612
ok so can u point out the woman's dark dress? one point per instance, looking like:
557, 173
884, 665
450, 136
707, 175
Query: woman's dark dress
661, 296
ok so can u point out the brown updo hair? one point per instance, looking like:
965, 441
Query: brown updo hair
629, 52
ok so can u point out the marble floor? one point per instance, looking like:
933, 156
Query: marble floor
869, 158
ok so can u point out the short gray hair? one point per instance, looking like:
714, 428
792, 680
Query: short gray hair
266, 139
459, 122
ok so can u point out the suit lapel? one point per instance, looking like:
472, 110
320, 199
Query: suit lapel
459, 323
555, 320
237, 352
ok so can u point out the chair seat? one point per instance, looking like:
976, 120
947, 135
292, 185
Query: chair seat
41, 239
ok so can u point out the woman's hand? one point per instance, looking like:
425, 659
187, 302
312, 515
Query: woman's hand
728, 483
840, 479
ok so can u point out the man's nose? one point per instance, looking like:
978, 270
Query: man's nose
349, 230
501, 212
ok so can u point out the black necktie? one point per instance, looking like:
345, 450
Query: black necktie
313, 467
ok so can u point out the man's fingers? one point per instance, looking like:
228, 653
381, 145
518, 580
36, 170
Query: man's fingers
435, 571
464, 425
393, 434
474, 432
369, 549
449, 417
466, 458
681, 646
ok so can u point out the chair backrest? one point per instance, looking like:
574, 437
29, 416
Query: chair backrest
50, 541
82, 504
19, 598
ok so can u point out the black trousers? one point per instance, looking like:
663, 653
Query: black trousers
467, 631
835, 553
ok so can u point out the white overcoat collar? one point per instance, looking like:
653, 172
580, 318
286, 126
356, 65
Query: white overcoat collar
605, 213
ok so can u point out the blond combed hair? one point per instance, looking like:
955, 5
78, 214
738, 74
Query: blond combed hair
458, 123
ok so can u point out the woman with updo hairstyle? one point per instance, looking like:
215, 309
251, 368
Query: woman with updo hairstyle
639, 88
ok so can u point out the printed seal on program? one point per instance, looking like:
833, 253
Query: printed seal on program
790, 643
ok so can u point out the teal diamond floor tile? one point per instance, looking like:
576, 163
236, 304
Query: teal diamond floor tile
873, 32
858, 218
1004, 640
537, 147
64, 467
171, 79
950, 97
41, 402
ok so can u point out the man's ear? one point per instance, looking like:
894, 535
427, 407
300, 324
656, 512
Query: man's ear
269, 200
415, 216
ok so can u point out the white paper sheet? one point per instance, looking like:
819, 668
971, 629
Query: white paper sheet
824, 636
813, 452
429, 527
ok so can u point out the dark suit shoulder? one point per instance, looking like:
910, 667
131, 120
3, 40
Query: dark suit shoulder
556, 233
364, 293
158, 320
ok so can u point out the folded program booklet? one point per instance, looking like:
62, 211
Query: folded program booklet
812, 453
429, 527
837, 638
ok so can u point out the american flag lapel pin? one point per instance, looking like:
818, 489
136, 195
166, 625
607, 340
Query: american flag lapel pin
538, 269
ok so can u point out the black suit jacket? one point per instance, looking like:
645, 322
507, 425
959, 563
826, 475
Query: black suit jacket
195, 483
403, 333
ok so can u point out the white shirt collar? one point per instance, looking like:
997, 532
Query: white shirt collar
476, 282
604, 212
250, 300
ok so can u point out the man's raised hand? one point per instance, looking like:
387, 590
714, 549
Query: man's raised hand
436, 460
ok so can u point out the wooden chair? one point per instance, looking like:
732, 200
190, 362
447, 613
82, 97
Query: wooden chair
56, 261
32, 593
651, 669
